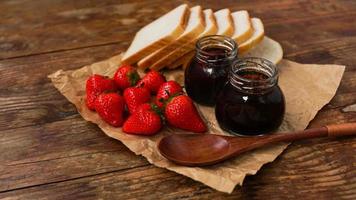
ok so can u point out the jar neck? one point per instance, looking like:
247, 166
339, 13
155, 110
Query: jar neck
216, 49
253, 75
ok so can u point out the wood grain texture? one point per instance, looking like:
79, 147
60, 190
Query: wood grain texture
27, 95
47, 151
59, 154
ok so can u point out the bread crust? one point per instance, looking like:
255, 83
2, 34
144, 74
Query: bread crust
244, 47
244, 37
230, 30
150, 48
170, 62
185, 47
151, 59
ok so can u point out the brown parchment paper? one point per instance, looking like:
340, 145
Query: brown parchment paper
307, 88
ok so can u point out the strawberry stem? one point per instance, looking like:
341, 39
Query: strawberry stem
158, 111
133, 78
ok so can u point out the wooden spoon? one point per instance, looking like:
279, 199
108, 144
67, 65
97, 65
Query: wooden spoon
208, 149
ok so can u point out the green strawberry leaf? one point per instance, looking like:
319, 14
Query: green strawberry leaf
133, 78
159, 112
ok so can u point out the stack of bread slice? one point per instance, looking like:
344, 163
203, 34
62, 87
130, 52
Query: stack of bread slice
194, 27
170, 40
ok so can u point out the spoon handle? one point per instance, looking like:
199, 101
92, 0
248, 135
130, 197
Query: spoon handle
341, 129
336, 130
240, 145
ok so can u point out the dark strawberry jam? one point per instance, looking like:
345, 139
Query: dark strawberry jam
207, 73
251, 102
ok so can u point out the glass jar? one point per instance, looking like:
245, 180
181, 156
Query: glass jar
207, 73
251, 102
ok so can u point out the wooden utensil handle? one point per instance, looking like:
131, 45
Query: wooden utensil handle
326, 131
341, 129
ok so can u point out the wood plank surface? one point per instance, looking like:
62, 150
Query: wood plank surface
47, 151
29, 97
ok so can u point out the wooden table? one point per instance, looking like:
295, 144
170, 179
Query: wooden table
47, 151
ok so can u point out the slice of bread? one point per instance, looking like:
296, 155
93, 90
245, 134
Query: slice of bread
157, 34
257, 36
268, 49
195, 26
243, 30
242, 26
210, 29
183, 61
224, 22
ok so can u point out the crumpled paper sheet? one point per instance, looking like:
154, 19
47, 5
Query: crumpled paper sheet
307, 88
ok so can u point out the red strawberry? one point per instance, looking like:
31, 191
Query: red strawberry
152, 80
166, 90
110, 107
97, 84
180, 112
145, 121
135, 96
126, 76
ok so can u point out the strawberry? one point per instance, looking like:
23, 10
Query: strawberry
135, 96
152, 81
180, 112
95, 85
167, 90
145, 121
110, 107
126, 76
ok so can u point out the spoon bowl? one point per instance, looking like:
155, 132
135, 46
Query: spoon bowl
183, 149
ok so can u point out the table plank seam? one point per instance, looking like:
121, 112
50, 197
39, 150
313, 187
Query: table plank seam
303, 19
59, 158
58, 50
72, 179
68, 118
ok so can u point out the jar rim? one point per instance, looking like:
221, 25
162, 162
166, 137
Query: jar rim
274, 73
253, 64
225, 42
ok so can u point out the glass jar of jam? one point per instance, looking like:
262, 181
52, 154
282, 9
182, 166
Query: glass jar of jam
251, 102
207, 73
